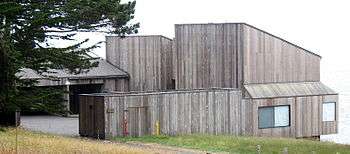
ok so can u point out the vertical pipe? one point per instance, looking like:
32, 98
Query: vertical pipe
125, 124
157, 128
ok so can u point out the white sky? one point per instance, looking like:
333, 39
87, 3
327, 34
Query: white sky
317, 25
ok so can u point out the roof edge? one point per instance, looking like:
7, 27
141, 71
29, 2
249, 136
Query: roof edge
327, 90
127, 73
162, 36
291, 96
293, 44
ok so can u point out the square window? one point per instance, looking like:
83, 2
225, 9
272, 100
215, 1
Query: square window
328, 111
274, 116
281, 116
266, 117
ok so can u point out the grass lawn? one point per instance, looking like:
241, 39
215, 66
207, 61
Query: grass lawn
244, 144
30, 142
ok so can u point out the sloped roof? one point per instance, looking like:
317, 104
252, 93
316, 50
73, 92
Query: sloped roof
103, 70
293, 89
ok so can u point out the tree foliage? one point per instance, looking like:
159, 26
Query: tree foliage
41, 99
27, 25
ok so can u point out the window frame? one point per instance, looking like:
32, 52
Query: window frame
335, 110
289, 116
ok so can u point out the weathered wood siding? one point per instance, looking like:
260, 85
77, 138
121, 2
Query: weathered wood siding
219, 111
270, 59
121, 84
232, 54
208, 55
305, 117
91, 116
178, 112
331, 127
147, 59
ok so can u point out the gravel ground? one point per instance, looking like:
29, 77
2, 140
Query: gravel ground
68, 126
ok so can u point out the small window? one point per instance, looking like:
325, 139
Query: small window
273, 116
328, 111
171, 85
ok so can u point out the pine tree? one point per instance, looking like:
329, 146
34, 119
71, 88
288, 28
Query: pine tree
26, 26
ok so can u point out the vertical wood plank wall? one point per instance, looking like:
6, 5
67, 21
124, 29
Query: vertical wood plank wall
179, 112
91, 116
199, 111
116, 84
270, 59
305, 117
208, 55
205, 56
331, 127
231, 54
147, 59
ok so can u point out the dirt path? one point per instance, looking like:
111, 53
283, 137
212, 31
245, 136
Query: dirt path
159, 149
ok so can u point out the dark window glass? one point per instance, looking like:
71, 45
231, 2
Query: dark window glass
274, 116
266, 117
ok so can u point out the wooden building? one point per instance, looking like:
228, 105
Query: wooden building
103, 78
147, 59
232, 54
229, 78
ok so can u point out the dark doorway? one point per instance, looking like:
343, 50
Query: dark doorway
75, 90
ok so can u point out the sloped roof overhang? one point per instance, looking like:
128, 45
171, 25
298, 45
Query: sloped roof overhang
291, 89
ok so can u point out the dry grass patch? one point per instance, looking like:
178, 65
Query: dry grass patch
29, 142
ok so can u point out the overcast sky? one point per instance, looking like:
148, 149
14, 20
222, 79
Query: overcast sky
320, 26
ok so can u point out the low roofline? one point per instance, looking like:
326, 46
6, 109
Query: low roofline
98, 77
52, 77
284, 90
141, 36
155, 92
293, 96
242, 23
127, 73
76, 78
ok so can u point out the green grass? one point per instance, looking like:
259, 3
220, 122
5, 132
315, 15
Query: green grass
243, 144
33, 142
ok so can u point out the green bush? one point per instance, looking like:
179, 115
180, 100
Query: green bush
41, 99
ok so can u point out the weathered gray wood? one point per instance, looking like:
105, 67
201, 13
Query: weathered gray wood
92, 117
232, 54
270, 59
305, 117
179, 112
331, 127
147, 59
219, 111
206, 56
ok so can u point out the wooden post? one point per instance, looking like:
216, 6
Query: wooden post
16, 140
66, 96
18, 114
125, 124
157, 128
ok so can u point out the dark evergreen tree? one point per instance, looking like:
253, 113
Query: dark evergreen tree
26, 26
